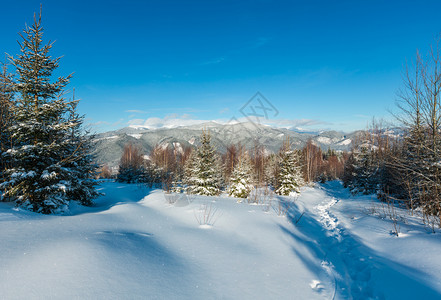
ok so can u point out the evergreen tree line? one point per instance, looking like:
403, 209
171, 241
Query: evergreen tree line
44, 150
204, 171
407, 168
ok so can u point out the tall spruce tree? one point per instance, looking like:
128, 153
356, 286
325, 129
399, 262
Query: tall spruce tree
6, 102
190, 168
366, 171
50, 156
203, 174
272, 170
349, 171
79, 160
290, 177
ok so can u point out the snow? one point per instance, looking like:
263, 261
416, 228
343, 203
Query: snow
369, 146
135, 135
345, 142
178, 147
46, 176
24, 174
141, 127
359, 246
163, 145
111, 137
134, 244
324, 140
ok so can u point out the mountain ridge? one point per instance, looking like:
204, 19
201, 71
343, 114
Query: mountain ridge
110, 145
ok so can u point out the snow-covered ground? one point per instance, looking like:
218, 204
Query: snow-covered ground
134, 244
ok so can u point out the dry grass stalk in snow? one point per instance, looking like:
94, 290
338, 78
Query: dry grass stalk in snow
207, 214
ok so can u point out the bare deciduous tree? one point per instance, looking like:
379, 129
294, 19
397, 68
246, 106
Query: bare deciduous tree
420, 161
312, 157
131, 166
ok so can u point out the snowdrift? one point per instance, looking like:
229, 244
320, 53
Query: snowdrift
135, 244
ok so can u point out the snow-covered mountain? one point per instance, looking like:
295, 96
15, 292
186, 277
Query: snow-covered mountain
110, 144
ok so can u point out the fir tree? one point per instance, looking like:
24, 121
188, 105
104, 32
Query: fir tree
272, 170
365, 174
190, 169
413, 165
349, 171
203, 175
79, 160
290, 177
153, 175
241, 178
366, 171
6, 103
50, 157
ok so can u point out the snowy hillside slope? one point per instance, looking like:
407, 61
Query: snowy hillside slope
134, 244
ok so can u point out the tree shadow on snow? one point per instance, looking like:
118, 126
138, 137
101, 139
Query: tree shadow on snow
352, 269
114, 194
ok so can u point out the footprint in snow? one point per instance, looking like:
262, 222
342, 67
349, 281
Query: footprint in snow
316, 285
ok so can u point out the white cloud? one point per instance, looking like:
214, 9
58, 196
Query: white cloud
169, 121
175, 120
136, 111
136, 122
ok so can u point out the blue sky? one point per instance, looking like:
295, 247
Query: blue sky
321, 64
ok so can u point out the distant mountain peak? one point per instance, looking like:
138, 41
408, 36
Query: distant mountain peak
110, 144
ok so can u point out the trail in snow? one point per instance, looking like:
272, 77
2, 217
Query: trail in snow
356, 268
329, 221
361, 263
348, 269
